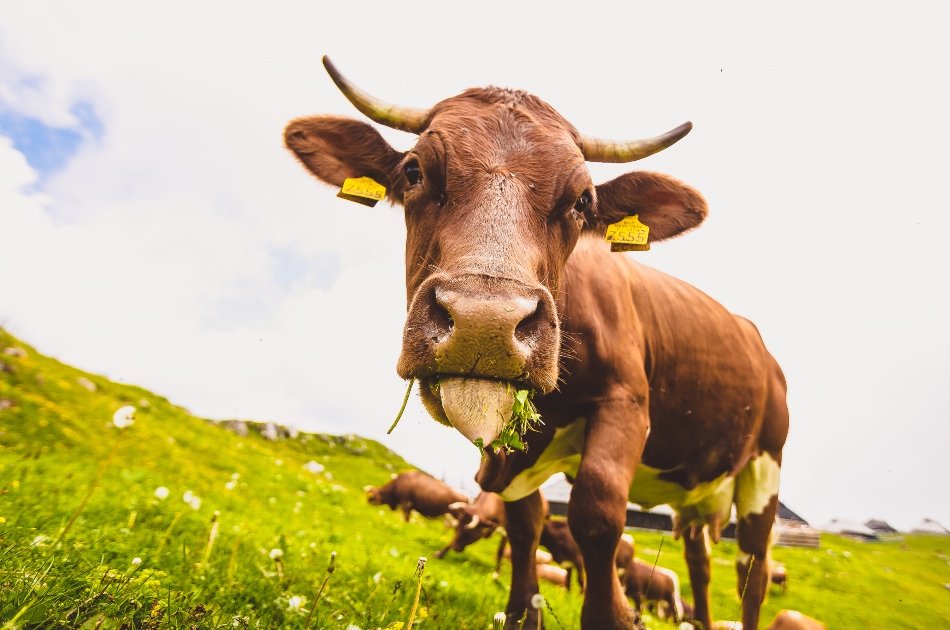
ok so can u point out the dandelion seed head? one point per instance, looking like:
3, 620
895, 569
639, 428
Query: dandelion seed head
537, 601
231, 485
276, 554
235, 476
124, 416
499, 617
314, 467
136, 561
162, 493
377, 577
296, 602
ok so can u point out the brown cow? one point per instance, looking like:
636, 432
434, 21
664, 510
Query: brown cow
650, 391
415, 490
477, 520
645, 583
778, 575
794, 620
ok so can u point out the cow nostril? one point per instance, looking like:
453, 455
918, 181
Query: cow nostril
529, 328
440, 318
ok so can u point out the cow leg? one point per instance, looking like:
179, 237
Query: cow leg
567, 584
597, 512
696, 546
500, 553
524, 521
753, 533
406, 510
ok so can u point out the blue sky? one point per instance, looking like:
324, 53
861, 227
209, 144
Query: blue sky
48, 148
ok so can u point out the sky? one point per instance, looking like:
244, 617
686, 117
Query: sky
154, 229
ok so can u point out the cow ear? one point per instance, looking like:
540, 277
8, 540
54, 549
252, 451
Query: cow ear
664, 204
335, 148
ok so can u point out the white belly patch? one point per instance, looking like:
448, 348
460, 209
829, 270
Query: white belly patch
563, 454
756, 484
710, 499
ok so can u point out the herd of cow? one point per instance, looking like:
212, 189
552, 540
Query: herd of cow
649, 390
476, 519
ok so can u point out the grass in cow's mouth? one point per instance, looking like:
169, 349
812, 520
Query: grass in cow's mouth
402, 408
524, 418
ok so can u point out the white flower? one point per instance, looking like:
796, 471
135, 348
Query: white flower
328, 475
235, 476
296, 602
124, 416
377, 577
537, 601
162, 492
231, 485
192, 499
499, 620
136, 561
314, 467
353, 626
276, 554
40, 541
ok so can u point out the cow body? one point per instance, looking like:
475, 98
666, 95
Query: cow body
794, 620
649, 390
416, 490
645, 583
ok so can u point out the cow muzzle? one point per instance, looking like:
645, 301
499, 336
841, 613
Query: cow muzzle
472, 340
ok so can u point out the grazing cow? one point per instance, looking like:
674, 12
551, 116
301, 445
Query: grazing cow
645, 583
650, 391
415, 490
556, 537
794, 620
477, 520
778, 575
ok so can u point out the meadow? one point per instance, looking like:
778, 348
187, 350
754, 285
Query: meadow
174, 521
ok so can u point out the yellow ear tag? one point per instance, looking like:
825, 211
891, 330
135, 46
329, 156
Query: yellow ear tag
364, 190
628, 235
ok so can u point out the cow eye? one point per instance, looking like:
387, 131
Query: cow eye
583, 202
413, 173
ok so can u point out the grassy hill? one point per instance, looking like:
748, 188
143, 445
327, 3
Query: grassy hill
85, 541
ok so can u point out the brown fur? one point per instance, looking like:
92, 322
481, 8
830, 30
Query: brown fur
794, 620
416, 490
497, 218
644, 584
490, 511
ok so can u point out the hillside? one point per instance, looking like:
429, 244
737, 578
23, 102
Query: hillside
211, 562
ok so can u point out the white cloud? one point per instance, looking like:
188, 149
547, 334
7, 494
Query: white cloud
157, 255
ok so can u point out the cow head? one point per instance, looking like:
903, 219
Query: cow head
496, 194
472, 527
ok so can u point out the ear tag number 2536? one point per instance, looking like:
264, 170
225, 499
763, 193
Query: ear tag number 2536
628, 235
364, 190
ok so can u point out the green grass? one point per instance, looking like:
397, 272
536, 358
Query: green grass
57, 442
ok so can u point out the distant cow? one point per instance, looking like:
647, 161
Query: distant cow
778, 575
794, 620
415, 490
477, 520
646, 583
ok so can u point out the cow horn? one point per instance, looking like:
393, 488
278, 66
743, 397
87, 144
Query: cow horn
474, 523
598, 150
458, 505
404, 118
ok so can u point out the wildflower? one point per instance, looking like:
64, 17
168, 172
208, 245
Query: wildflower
231, 485
162, 492
328, 475
124, 416
2, 520
39, 541
377, 577
537, 601
192, 499
314, 467
499, 621
276, 554
296, 602
235, 476
353, 626
136, 561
